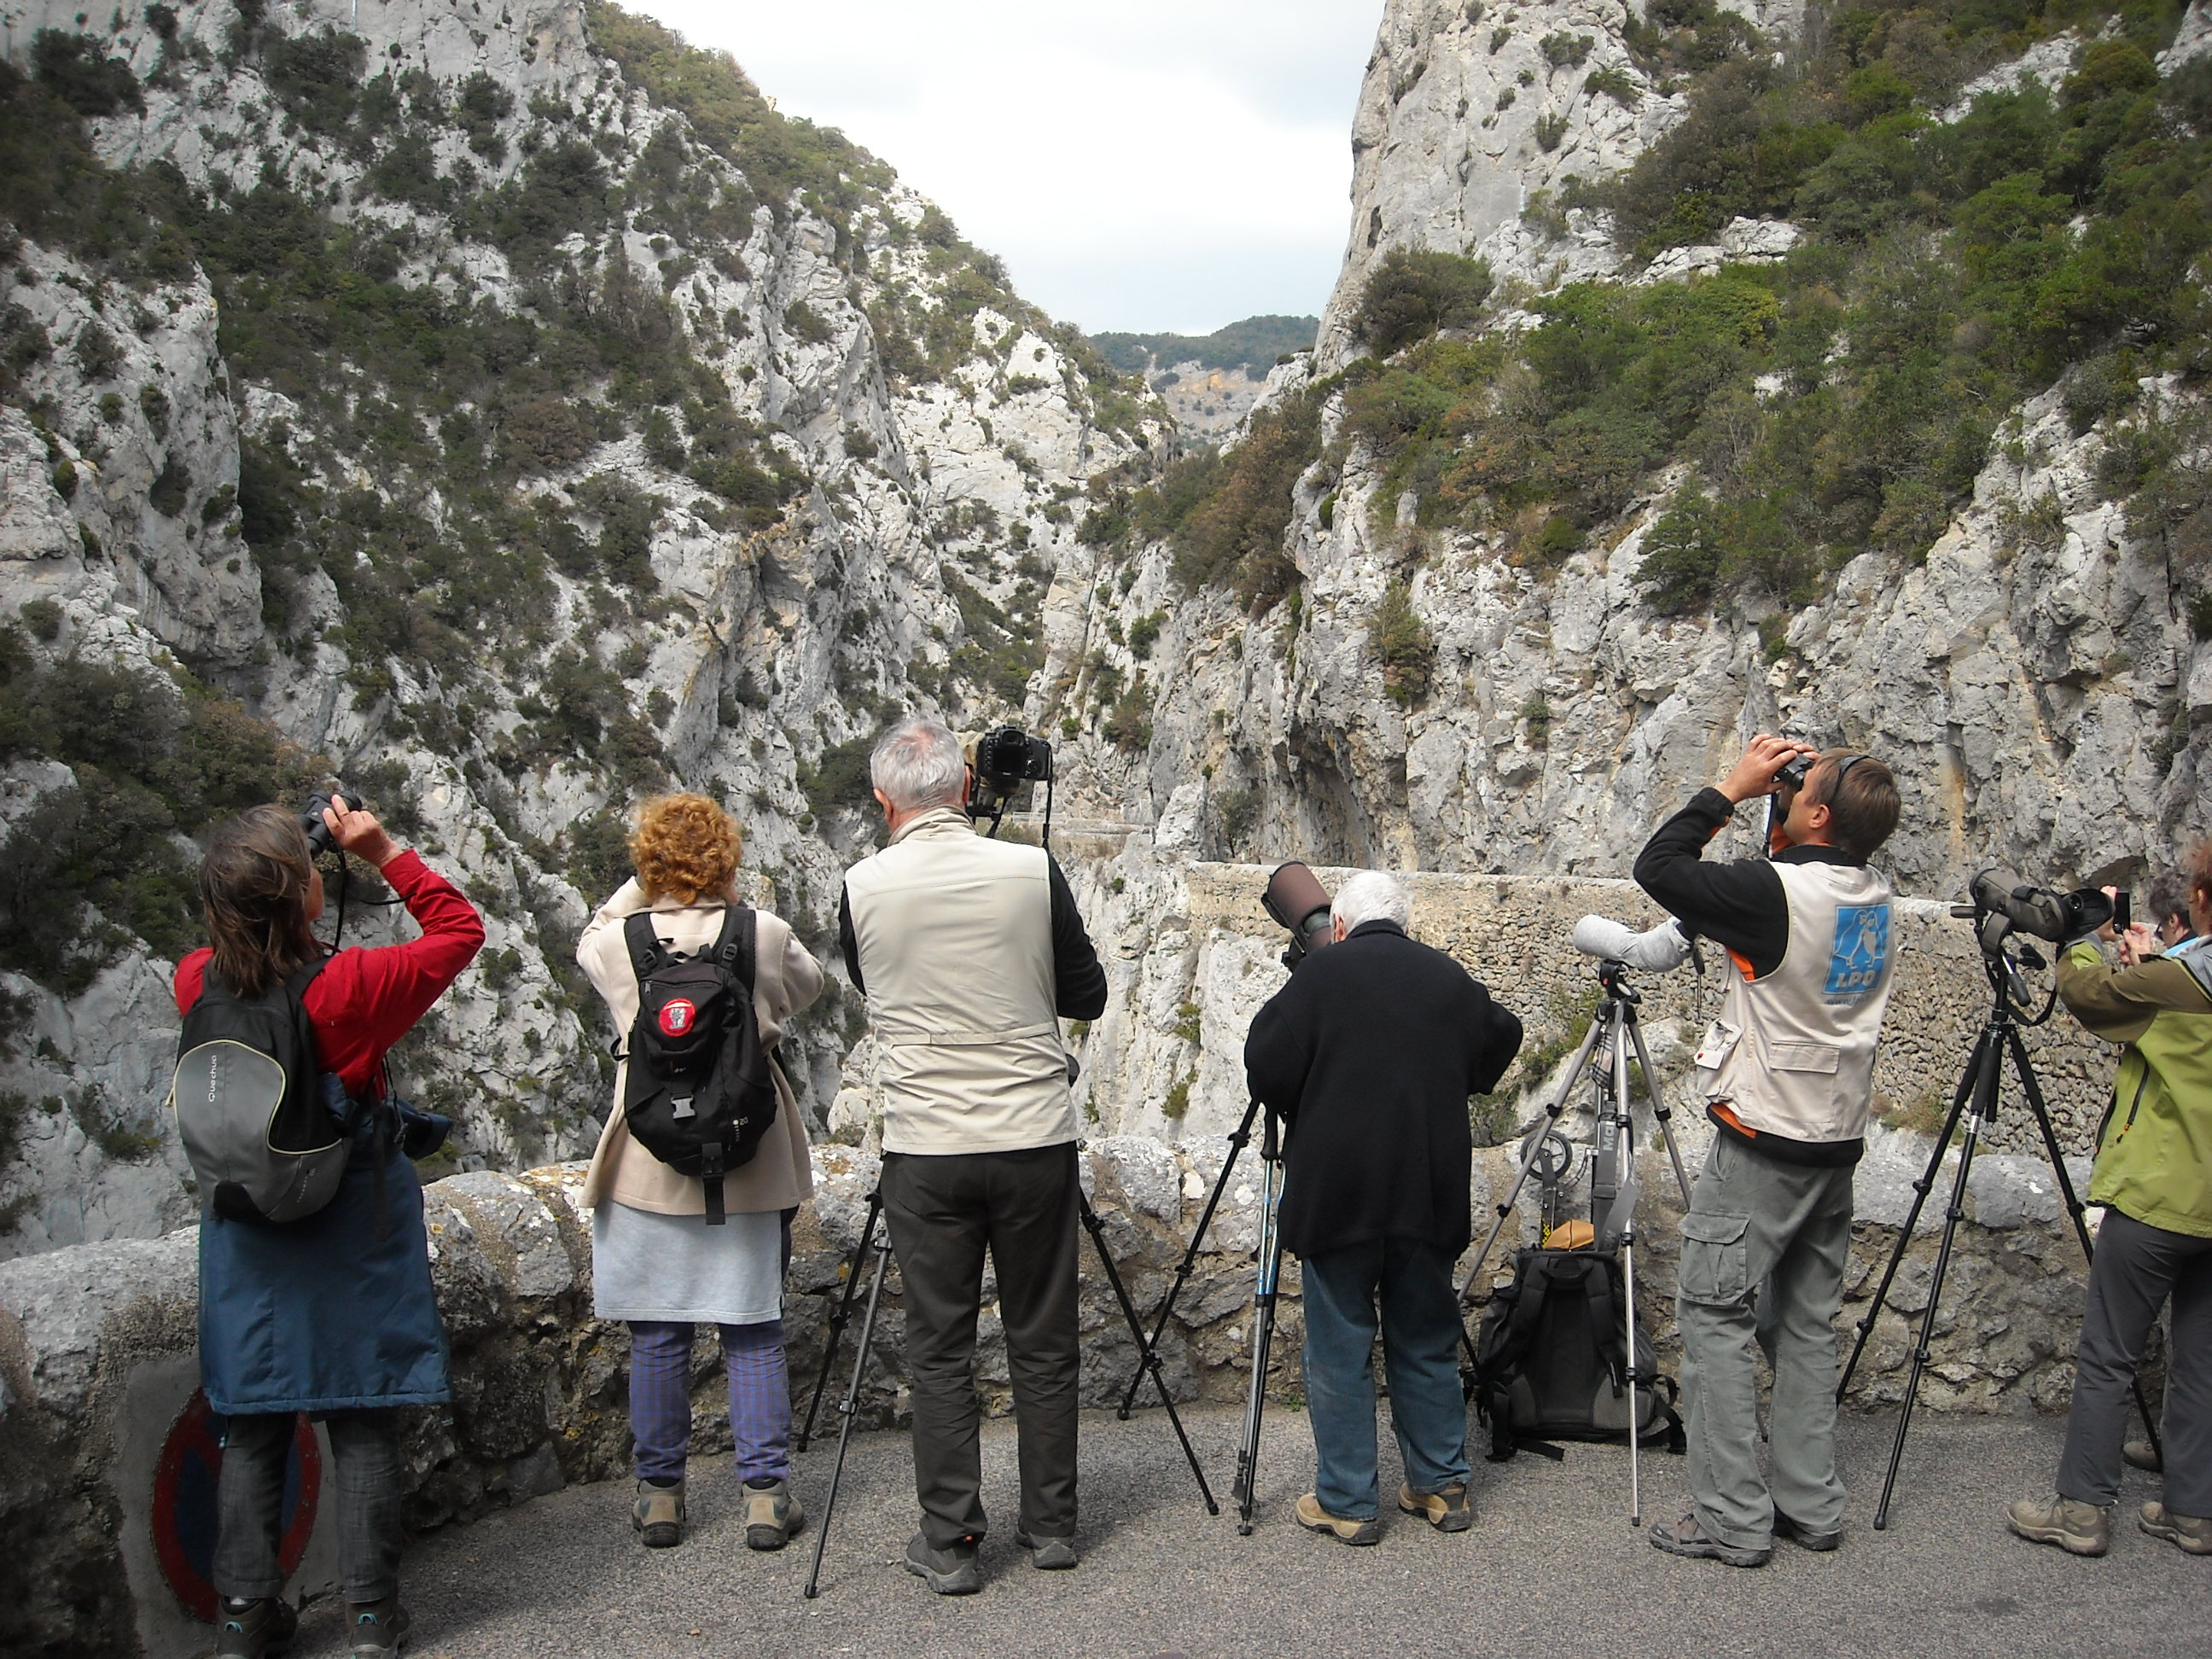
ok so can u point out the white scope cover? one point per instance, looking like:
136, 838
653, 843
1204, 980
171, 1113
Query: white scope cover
1662, 948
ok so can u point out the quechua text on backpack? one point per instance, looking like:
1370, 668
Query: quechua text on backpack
264, 1127
700, 1090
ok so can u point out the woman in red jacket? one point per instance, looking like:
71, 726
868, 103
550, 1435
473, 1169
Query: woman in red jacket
332, 1314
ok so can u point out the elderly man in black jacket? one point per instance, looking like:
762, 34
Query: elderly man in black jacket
1369, 1056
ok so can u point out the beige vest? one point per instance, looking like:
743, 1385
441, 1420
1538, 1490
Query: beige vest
955, 937
1793, 1053
786, 980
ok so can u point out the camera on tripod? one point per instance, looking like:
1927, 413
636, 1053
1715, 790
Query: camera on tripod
1001, 764
2044, 912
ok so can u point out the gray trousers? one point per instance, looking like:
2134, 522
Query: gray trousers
250, 1502
1760, 1231
2137, 1266
943, 1212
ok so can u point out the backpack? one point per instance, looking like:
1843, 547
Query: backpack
1550, 1358
264, 1127
700, 1091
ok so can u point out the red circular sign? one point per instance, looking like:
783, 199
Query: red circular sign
676, 1016
184, 1481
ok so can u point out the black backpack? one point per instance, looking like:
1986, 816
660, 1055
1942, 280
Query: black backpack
260, 1120
1550, 1364
701, 1089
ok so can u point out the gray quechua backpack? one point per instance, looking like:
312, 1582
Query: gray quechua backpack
259, 1119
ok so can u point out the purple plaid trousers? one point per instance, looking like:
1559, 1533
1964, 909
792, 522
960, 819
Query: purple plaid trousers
660, 1398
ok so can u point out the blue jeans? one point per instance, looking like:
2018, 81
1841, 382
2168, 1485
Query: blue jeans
1420, 1325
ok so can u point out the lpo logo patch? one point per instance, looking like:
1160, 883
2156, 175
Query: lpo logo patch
677, 1016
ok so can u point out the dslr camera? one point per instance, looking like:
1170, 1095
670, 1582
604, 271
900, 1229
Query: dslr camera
320, 839
1003, 762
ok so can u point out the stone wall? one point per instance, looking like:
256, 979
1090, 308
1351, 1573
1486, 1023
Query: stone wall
97, 1355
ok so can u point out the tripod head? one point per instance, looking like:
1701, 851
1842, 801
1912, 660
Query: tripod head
1994, 930
1613, 978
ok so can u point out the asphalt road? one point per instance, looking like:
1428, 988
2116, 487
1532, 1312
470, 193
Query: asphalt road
1551, 1567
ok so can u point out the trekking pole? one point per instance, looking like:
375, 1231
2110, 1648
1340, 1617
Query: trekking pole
842, 1314
849, 1408
1263, 1328
1147, 1350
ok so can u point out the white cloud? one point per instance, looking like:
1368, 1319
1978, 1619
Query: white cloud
1138, 164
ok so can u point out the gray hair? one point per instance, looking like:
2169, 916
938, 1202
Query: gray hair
1371, 896
918, 763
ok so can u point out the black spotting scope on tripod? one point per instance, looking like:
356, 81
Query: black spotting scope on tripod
2002, 907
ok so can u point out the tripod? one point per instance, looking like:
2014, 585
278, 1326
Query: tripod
1263, 1306
842, 1313
1975, 1101
1613, 1186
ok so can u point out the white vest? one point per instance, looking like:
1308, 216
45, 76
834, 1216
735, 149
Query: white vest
1793, 1053
955, 937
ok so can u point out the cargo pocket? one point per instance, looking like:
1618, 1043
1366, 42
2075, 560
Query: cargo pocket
1716, 1259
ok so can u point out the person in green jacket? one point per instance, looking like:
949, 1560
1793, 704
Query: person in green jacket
2153, 1177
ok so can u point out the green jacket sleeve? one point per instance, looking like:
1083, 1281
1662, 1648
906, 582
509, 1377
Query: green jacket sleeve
2119, 1004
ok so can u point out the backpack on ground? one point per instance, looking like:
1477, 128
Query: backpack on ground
700, 1091
1551, 1362
264, 1126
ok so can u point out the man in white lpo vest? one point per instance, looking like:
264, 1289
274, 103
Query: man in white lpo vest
968, 952
1786, 1074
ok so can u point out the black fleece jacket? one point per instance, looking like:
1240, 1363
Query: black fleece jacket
1739, 905
1369, 1056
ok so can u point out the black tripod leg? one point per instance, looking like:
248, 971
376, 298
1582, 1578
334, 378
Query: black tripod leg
2075, 1207
1147, 1360
1984, 1111
1985, 1049
1189, 1258
844, 1312
849, 1408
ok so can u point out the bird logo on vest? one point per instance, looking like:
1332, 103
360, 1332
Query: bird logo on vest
677, 1016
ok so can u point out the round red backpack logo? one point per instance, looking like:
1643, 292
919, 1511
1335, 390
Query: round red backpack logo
677, 1017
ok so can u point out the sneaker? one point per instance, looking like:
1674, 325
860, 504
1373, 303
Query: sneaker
2144, 1456
246, 1627
1687, 1537
2192, 1533
1048, 1553
772, 1514
1343, 1528
1804, 1537
949, 1572
659, 1516
1447, 1510
2077, 1528
378, 1627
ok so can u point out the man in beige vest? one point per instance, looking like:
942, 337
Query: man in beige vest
968, 952
1786, 1076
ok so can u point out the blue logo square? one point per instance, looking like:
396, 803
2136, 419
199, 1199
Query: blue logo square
1861, 952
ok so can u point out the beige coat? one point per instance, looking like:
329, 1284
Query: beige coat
787, 978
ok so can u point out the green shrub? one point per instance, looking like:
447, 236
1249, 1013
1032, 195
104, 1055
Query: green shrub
316, 77
1683, 555
1415, 292
71, 65
1404, 646
838, 781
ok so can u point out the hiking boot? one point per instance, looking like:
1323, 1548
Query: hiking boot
2144, 1456
772, 1514
2192, 1533
1447, 1510
248, 1626
949, 1572
1048, 1553
378, 1628
2077, 1528
1687, 1537
1343, 1528
1804, 1537
659, 1516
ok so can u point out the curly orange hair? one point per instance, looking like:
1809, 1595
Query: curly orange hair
685, 848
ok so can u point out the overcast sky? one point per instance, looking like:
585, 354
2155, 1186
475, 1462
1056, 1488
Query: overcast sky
1138, 164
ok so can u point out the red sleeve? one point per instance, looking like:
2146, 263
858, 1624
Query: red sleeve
191, 974
367, 1000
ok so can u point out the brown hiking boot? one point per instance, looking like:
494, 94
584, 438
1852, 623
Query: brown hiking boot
2192, 1533
2077, 1528
2141, 1455
1343, 1528
772, 1514
1687, 1537
659, 1516
1447, 1510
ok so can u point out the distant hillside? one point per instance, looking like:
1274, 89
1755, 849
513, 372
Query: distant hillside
1255, 344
